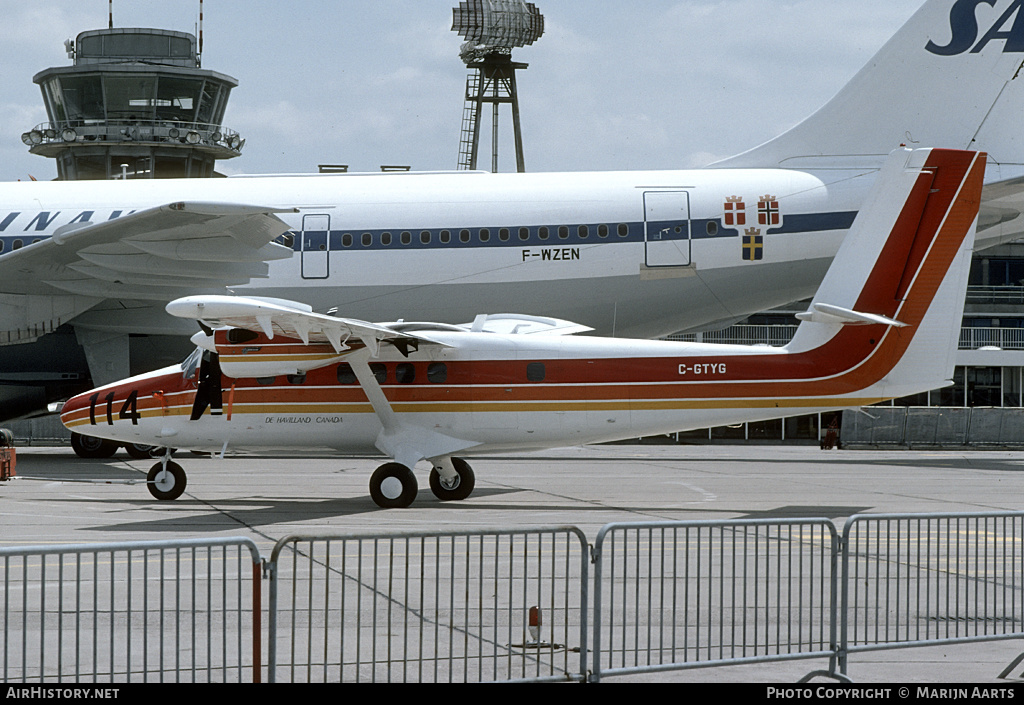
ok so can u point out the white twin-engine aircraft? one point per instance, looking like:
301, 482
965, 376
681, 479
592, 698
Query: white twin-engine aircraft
884, 324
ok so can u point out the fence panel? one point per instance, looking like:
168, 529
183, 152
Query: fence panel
921, 579
429, 607
131, 612
693, 594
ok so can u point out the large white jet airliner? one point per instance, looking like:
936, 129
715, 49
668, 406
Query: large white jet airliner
635, 254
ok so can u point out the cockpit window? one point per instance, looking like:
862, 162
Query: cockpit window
188, 367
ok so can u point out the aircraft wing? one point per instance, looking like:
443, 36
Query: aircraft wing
273, 317
156, 254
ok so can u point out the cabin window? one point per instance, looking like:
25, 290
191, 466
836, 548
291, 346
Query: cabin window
563, 232
464, 236
297, 379
623, 230
406, 238
544, 232
535, 372
346, 375
405, 373
238, 336
367, 239
425, 237
437, 373
584, 232
485, 235
17, 245
524, 234
385, 239
602, 231
712, 227
446, 237
346, 240
265, 381
503, 234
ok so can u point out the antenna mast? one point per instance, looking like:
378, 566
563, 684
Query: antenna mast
200, 32
110, 15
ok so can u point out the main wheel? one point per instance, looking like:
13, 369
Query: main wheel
393, 486
92, 447
140, 451
459, 488
166, 483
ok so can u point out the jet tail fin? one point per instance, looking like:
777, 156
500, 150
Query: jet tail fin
902, 271
943, 79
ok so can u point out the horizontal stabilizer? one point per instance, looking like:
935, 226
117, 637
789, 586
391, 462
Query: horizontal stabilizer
826, 313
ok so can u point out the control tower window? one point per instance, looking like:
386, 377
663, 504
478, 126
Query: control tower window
130, 98
212, 104
83, 99
177, 99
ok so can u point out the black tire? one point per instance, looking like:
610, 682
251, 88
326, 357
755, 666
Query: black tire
463, 486
140, 451
166, 486
393, 486
92, 447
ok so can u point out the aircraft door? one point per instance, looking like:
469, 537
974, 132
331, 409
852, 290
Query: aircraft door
316, 246
667, 228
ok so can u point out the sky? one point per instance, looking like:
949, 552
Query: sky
660, 84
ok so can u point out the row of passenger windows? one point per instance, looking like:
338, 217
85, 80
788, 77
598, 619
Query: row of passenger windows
403, 373
482, 235
17, 244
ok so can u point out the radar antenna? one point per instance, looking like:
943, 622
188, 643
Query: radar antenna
492, 29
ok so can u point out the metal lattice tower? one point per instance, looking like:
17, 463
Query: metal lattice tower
492, 28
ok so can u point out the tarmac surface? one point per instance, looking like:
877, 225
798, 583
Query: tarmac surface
58, 498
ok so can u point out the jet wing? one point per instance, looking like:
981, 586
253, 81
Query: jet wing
152, 255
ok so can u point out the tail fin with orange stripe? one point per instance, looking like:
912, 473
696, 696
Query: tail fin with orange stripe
903, 269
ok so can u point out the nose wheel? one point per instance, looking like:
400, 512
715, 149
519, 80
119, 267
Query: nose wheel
393, 486
166, 481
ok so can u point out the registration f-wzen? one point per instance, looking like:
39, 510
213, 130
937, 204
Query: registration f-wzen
631, 254
883, 324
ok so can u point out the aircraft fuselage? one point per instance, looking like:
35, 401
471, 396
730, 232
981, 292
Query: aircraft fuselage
639, 254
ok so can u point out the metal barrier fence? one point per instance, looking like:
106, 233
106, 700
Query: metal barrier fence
430, 607
696, 594
124, 612
929, 579
512, 605
933, 426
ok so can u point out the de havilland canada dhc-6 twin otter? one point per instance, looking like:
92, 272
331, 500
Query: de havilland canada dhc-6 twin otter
884, 324
637, 254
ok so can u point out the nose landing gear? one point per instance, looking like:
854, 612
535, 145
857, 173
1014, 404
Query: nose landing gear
166, 480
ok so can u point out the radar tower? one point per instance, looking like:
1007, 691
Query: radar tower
492, 28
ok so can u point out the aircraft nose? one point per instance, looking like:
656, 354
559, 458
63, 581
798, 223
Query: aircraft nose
74, 409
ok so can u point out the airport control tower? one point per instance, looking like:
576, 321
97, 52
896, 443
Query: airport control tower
136, 104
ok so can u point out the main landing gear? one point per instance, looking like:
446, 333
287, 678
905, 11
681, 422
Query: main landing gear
394, 486
100, 448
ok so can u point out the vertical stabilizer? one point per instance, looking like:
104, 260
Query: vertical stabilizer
900, 275
949, 78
